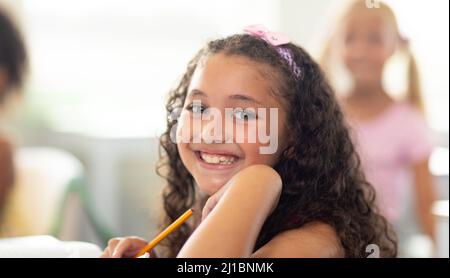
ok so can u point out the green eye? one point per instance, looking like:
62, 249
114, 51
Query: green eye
196, 108
244, 114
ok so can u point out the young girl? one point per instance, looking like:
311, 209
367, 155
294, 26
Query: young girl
392, 136
308, 198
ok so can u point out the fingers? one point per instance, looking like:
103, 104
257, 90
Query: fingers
105, 254
112, 243
209, 206
213, 200
129, 247
123, 247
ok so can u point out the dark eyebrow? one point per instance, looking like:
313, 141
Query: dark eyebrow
244, 98
196, 92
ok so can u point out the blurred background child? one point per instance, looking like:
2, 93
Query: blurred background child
391, 134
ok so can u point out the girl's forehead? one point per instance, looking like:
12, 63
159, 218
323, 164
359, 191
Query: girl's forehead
365, 20
236, 65
355, 20
228, 74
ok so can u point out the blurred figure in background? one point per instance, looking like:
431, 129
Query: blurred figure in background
13, 61
392, 136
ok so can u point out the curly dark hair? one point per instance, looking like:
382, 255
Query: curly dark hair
320, 169
13, 56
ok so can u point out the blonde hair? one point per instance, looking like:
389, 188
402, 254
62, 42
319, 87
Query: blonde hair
413, 92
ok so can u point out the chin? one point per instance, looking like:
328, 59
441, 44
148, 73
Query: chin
208, 187
364, 79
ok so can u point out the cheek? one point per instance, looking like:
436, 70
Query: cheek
380, 58
270, 136
348, 59
185, 155
253, 155
345, 54
183, 131
183, 137
377, 53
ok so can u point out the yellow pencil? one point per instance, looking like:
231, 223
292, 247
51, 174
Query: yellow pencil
166, 232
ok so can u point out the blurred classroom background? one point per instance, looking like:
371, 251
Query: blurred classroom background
92, 106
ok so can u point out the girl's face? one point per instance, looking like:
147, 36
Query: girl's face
367, 42
223, 83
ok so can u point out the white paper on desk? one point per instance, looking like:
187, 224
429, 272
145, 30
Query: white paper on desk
46, 247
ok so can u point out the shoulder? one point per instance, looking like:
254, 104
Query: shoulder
412, 125
407, 123
314, 240
407, 113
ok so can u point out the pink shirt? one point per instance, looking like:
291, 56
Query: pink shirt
389, 145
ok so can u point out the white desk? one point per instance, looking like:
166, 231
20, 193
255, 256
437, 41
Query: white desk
46, 247
440, 210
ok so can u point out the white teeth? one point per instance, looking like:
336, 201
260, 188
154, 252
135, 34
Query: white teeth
216, 159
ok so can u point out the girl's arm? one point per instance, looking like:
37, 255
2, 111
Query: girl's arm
425, 196
313, 240
232, 227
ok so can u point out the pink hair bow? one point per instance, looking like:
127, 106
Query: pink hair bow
275, 39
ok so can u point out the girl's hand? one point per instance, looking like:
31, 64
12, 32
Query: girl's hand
213, 200
245, 176
125, 247
235, 215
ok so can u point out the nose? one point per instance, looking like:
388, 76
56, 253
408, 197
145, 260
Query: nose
215, 128
360, 50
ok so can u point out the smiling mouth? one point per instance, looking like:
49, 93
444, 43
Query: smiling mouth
216, 159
